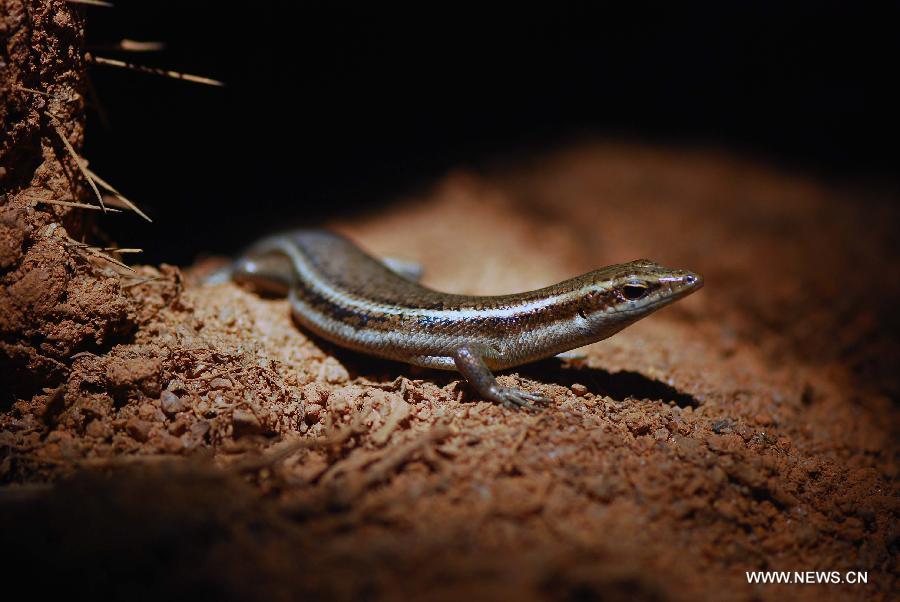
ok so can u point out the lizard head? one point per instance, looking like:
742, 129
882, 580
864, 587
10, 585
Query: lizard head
269, 274
619, 295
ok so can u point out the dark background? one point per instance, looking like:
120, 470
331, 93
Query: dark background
335, 107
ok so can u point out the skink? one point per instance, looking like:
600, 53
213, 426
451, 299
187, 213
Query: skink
342, 294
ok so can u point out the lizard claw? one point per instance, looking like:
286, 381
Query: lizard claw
514, 398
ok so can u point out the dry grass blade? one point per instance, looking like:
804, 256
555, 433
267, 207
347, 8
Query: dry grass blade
95, 252
128, 203
92, 3
33, 91
122, 250
79, 162
126, 45
141, 281
101, 255
99, 60
79, 205
139, 46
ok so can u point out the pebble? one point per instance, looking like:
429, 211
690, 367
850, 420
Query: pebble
171, 404
219, 383
139, 430
579, 389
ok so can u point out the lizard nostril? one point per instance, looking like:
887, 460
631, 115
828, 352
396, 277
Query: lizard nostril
690, 279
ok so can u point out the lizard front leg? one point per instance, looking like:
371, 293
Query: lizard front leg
469, 360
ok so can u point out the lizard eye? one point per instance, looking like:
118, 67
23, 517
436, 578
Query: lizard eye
634, 290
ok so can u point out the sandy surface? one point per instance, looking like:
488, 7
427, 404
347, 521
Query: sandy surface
747, 427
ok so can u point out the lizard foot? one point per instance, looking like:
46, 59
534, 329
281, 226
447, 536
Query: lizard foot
516, 398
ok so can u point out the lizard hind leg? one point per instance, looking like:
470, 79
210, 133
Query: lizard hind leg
470, 362
436, 362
